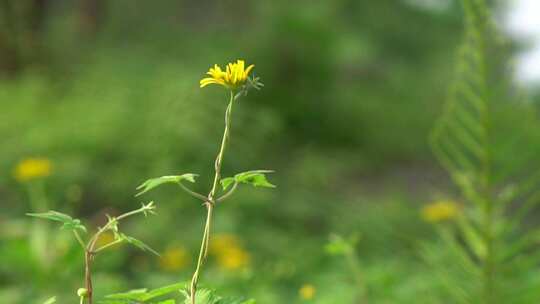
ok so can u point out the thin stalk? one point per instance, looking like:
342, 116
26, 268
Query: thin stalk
192, 193
88, 257
210, 201
79, 239
39, 236
352, 260
108, 245
489, 263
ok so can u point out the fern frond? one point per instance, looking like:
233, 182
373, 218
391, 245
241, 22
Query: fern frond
464, 143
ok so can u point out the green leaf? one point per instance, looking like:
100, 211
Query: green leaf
236, 300
68, 222
203, 296
145, 296
135, 242
255, 178
338, 245
226, 182
50, 301
159, 292
158, 181
126, 297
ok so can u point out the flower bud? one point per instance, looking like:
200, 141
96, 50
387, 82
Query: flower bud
82, 292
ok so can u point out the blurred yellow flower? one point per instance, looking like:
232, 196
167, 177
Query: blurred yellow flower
307, 292
221, 242
32, 168
440, 211
174, 258
234, 76
233, 258
228, 251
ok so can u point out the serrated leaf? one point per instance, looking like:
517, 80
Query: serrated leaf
159, 292
132, 295
255, 178
68, 221
158, 181
137, 243
143, 295
203, 296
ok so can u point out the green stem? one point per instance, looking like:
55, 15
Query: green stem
192, 193
210, 200
79, 239
108, 245
488, 210
88, 257
226, 195
39, 237
353, 262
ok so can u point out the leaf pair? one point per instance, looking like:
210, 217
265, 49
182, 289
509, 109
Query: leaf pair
255, 178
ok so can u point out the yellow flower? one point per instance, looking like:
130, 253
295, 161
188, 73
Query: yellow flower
307, 292
222, 242
32, 168
440, 211
234, 258
174, 258
228, 251
234, 76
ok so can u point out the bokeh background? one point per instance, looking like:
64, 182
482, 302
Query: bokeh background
108, 92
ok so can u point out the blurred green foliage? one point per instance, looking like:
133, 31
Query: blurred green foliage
352, 89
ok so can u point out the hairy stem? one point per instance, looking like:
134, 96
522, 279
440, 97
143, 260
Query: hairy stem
88, 257
210, 201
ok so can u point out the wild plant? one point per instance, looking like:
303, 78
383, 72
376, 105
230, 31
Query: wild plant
345, 248
91, 246
488, 254
237, 81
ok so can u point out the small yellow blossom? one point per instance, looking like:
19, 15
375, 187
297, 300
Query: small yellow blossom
440, 211
234, 258
174, 258
234, 76
32, 168
229, 252
307, 292
222, 242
